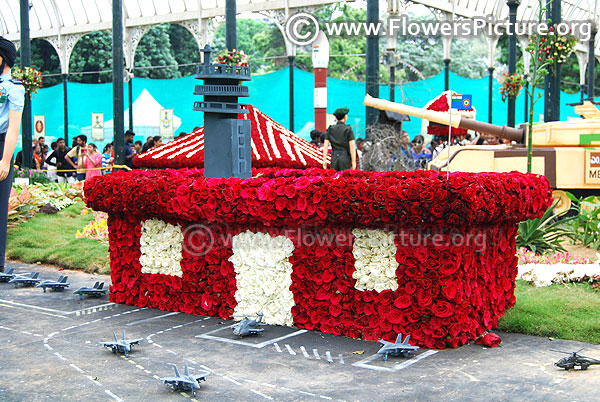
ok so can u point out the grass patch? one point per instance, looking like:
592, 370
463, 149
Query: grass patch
557, 311
50, 239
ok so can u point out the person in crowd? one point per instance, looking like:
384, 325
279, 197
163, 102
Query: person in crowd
148, 145
421, 155
129, 154
37, 158
360, 149
478, 140
107, 157
11, 110
57, 158
74, 142
78, 152
157, 141
322, 139
92, 161
341, 138
137, 147
41, 142
315, 138
50, 168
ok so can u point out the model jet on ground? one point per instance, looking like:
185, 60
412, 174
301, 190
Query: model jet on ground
59, 285
248, 327
30, 280
396, 349
185, 382
96, 291
122, 346
7, 275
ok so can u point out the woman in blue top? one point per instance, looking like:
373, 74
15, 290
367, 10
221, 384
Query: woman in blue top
12, 100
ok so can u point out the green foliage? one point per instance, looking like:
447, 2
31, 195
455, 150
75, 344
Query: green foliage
50, 239
92, 53
185, 49
586, 225
155, 50
544, 234
558, 311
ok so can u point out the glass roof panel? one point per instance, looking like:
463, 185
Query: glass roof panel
132, 8
66, 13
91, 10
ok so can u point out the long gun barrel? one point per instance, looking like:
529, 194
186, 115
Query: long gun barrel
455, 120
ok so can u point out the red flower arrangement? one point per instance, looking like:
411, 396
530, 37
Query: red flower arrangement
512, 83
272, 145
441, 104
448, 292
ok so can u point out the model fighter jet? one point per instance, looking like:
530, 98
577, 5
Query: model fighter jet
59, 285
96, 291
30, 280
185, 382
399, 348
248, 327
7, 275
121, 346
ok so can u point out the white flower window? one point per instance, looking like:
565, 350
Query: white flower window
161, 246
375, 260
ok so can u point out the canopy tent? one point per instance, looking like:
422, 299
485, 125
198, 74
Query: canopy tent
146, 117
272, 146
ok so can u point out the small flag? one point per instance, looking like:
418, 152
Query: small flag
461, 102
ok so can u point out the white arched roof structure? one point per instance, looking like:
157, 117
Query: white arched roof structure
63, 22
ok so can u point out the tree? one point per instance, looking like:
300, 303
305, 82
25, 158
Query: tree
185, 49
93, 55
155, 50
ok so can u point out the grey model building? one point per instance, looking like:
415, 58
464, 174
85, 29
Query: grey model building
398, 348
121, 345
248, 327
58, 285
185, 382
30, 280
96, 291
7, 275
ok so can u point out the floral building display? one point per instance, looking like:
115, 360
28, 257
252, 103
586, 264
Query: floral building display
272, 145
360, 254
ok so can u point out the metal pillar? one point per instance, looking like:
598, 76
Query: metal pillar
118, 73
372, 78
27, 123
291, 66
552, 80
526, 88
490, 92
130, 95
512, 56
230, 25
591, 66
446, 74
392, 83
66, 107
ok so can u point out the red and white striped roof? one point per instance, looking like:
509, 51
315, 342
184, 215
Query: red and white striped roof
272, 146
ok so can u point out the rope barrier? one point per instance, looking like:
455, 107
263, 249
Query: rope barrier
82, 169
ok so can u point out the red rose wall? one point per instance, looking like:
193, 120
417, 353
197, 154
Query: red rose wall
453, 244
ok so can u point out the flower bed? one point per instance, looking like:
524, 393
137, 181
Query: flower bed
360, 254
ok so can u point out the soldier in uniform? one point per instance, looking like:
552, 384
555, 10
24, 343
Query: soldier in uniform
12, 100
341, 138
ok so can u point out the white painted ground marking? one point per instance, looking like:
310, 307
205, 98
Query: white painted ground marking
307, 393
157, 345
364, 363
50, 348
232, 380
171, 352
177, 326
250, 381
160, 332
209, 335
113, 396
206, 368
41, 312
316, 353
116, 315
59, 356
266, 384
277, 348
326, 397
304, 352
190, 360
329, 358
290, 349
37, 335
92, 309
341, 358
26, 333
96, 320
287, 389
152, 318
68, 328
52, 334
83, 323
77, 368
6, 328
261, 394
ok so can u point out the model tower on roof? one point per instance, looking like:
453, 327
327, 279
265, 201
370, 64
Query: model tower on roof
227, 141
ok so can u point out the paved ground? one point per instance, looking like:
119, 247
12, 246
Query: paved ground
49, 345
